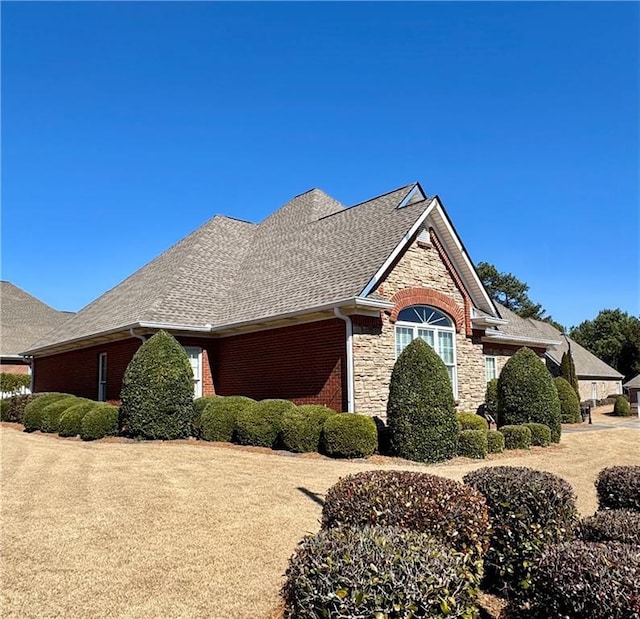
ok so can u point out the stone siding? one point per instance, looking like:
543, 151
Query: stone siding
604, 388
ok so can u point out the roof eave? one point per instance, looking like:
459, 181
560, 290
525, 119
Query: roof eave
505, 338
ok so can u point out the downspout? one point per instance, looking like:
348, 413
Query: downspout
142, 338
350, 384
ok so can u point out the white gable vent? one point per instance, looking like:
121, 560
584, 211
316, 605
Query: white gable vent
424, 239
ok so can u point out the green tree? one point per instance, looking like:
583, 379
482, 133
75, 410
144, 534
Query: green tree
614, 337
568, 371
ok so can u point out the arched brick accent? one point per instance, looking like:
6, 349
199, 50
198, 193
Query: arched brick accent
427, 296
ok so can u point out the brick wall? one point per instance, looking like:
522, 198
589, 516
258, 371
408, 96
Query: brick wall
14, 368
303, 363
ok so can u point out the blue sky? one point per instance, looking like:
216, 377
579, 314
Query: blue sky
126, 126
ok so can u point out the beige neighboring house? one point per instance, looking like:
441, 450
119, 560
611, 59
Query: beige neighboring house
632, 388
24, 320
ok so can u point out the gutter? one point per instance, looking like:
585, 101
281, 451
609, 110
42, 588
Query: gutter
517, 339
350, 384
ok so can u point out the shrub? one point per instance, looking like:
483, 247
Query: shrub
32, 417
157, 391
473, 444
471, 421
347, 435
528, 510
568, 372
17, 404
302, 427
218, 419
540, 434
526, 392
495, 442
4, 410
621, 407
451, 512
100, 421
516, 437
420, 410
260, 423
569, 402
377, 572
613, 525
577, 580
50, 417
199, 404
71, 420
14, 383
618, 487
491, 398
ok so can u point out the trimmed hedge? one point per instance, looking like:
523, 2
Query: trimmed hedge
449, 511
613, 525
347, 435
540, 434
4, 410
302, 427
528, 510
618, 487
17, 404
473, 444
218, 419
100, 421
527, 393
621, 407
50, 417
471, 421
157, 391
420, 410
578, 580
495, 442
199, 404
516, 437
569, 402
71, 420
32, 417
377, 572
491, 398
260, 423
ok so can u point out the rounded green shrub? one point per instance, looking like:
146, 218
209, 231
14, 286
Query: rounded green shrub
71, 420
260, 423
199, 404
32, 417
347, 435
218, 419
157, 391
471, 421
302, 427
377, 572
4, 410
527, 393
473, 444
528, 510
540, 434
50, 418
495, 442
611, 525
420, 411
491, 398
578, 580
516, 437
618, 487
451, 512
100, 421
17, 404
569, 403
621, 407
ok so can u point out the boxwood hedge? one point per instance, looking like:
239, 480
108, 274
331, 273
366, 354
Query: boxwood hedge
540, 434
32, 418
471, 421
516, 437
347, 435
218, 419
99, 422
302, 427
495, 442
473, 444
260, 423
50, 417
71, 420
621, 407
569, 403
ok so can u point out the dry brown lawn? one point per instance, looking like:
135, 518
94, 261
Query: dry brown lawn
186, 529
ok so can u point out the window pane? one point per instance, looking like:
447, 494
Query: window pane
445, 343
450, 372
425, 315
404, 335
490, 368
427, 336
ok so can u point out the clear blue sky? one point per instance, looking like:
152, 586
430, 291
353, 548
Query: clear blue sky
126, 126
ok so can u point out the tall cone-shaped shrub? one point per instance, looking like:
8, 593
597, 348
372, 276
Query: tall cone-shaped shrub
527, 393
421, 410
568, 372
157, 391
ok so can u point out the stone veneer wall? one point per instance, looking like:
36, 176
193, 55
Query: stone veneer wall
604, 388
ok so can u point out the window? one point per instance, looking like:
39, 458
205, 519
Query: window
195, 359
102, 377
490, 367
435, 328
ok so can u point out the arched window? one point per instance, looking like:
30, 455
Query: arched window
435, 328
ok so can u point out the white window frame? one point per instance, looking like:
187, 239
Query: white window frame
494, 371
415, 326
197, 380
102, 377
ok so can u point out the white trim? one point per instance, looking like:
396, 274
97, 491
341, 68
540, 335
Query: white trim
197, 380
495, 367
375, 280
505, 338
349, 372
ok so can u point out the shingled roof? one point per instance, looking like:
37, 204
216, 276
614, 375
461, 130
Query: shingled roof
24, 319
312, 251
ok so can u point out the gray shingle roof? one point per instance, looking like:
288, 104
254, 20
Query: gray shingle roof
634, 383
311, 251
24, 318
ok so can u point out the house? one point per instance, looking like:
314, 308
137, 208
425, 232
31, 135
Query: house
24, 319
632, 387
313, 304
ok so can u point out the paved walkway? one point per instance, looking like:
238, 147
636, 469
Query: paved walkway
603, 421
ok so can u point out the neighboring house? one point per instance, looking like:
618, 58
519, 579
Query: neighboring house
632, 388
24, 319
314, 304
